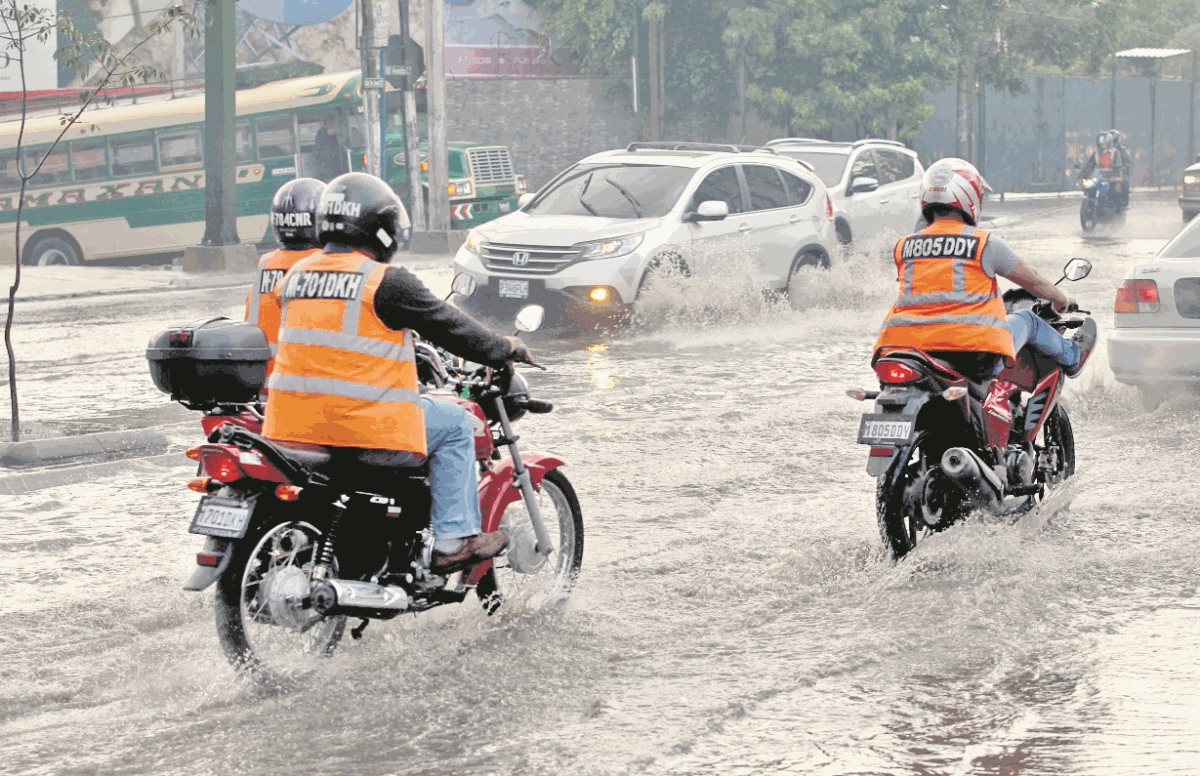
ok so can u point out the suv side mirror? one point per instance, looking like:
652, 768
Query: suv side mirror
863, 185
524, 200
710, 210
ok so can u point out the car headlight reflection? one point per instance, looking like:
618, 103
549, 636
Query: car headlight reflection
610, 249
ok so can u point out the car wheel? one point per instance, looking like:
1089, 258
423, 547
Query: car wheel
1188, 215
796, 276
844, 236
53, 252
1151, 396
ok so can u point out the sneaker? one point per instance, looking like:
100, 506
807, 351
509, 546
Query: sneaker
1085, 339
474, 549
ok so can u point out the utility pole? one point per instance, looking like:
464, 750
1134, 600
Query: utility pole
435, 88
656, 92
416, 196
220, 110
372, 86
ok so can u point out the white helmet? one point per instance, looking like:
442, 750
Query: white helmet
956, 184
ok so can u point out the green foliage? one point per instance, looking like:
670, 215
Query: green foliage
869, 64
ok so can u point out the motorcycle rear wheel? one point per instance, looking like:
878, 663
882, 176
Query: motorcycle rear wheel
509, 577
899, 526
260, 623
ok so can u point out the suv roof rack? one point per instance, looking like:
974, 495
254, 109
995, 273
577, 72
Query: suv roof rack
878, 141
795, 141
818, 141
729, 148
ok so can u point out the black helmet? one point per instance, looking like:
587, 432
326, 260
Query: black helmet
361, 211
293, 213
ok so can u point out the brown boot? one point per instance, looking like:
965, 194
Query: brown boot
473, 549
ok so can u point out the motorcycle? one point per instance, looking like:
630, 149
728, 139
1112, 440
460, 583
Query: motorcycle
299, 539
943, 445
1101, 202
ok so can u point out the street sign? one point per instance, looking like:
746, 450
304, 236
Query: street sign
397, 70
372, 83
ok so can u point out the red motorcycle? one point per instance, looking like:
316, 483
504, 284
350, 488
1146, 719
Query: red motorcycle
299, 538
944, 445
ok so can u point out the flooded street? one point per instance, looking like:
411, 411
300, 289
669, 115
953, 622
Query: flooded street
735, 613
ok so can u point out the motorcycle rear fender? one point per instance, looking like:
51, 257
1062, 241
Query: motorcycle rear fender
915, 401
497, 491
203, 576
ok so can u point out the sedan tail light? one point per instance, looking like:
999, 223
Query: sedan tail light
1137, 296
828, 206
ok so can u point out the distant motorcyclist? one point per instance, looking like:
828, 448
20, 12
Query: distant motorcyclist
1110, 162
1126, 166
949, 301
293, 220
345, 375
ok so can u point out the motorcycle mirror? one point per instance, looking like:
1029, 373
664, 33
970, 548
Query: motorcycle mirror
1077, 269
464, 284
530, 318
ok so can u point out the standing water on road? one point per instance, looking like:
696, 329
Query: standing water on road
735, 613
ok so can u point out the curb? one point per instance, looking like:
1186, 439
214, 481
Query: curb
1017, 196
107, 444
24, 483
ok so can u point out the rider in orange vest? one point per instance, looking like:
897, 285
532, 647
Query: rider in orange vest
292, 219
949, 301
345, 375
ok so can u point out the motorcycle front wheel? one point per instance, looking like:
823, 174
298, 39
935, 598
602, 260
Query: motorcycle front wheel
1087, 215
264, 623
522, 573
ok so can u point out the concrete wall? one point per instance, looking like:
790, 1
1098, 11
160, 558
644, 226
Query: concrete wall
547, 123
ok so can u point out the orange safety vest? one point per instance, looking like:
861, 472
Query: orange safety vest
947, 301
342, 378
262, 302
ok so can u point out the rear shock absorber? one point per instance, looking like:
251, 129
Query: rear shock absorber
324, 564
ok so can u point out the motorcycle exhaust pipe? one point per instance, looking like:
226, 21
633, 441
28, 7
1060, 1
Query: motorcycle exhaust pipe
345, 596
973, 477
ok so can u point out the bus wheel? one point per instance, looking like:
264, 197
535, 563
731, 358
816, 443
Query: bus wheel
53, 252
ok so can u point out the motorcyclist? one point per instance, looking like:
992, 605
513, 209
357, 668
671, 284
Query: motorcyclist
949, 303
293, 211
345, 375
1126, 166
1110, 162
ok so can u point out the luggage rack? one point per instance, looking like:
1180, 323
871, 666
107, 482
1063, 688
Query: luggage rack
670, 145
783, 141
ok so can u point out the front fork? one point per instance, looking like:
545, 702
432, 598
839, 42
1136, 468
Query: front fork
523, 481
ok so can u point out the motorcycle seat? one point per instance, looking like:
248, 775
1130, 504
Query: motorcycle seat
308, 457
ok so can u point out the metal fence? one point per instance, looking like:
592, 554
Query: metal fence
1031, 141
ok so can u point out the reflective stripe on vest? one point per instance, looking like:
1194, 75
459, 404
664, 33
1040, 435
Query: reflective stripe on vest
345, 388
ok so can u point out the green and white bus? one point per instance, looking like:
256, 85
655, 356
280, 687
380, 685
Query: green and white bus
129, 179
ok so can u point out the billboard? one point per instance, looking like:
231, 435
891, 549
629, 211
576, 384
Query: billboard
496, 39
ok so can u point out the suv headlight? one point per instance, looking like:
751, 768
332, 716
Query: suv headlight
1191, 179
610, 249
474, 242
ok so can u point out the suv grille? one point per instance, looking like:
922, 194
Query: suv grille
1187, 297
491, 165
527, 259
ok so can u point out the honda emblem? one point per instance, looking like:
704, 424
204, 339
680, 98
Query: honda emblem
520, 258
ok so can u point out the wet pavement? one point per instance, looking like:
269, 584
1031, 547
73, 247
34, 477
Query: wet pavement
735, 613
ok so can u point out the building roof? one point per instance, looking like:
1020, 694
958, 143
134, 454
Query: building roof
1152, 53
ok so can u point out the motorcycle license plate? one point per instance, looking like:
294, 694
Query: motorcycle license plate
885, 429
514, 289
224, 517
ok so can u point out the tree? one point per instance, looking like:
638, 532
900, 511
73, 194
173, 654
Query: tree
99, 65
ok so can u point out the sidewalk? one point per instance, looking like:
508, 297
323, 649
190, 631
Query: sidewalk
47, 284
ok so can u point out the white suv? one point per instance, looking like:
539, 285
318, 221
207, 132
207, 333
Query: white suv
585, 243
875, 184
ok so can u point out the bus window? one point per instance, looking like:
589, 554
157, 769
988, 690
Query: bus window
132, 155
275, 139
10, 178
180, 150
54, 169
244, 142
90, 159
307, 126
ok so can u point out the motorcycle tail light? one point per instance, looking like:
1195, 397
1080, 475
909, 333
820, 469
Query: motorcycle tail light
894, 373
209, 559
1137, 296
222, 466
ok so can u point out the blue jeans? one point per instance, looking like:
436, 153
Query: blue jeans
450, 440
1029, 329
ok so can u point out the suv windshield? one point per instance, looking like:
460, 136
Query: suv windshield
614, 191
1185, 245
828, 166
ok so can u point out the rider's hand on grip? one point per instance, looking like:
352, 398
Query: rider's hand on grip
1064, 305
519, 353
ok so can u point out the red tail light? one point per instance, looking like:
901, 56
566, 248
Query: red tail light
828, 206
894, 373
222, 465
1137, 296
